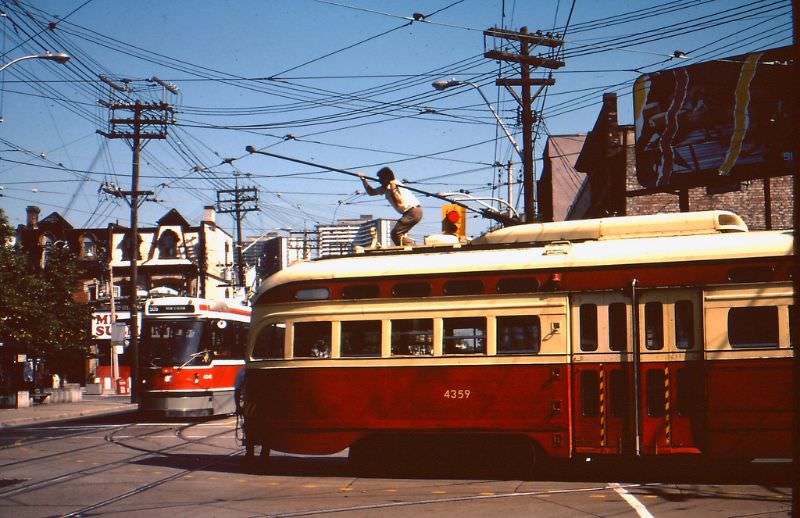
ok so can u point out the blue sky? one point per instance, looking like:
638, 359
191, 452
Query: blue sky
344, 83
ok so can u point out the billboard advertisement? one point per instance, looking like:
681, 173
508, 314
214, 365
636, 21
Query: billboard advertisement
716, 122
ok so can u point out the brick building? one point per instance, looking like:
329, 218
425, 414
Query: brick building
610, 187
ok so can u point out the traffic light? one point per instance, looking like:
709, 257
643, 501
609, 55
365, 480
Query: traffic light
454, 220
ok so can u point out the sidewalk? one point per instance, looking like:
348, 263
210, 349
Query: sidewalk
89, 406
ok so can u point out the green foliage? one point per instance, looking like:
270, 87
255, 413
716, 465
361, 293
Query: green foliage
37, 311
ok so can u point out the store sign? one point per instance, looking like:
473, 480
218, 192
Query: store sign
102, 324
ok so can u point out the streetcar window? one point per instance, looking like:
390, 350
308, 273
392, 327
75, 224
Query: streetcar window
312, 339
221, 338
227, 339
617, 326
684, 325
590, 394
465, 335
653, 326
413, 336
588, 322
618, 393
174, 342
463, 287
361, 291
755, 326
312, 294
654, 388
791, 326
411, 289
519, 334
518, 285
361, 338
269, 342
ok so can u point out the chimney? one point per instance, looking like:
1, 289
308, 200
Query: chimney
209, 214
33, 216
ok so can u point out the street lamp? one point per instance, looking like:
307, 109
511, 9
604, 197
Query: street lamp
59, 58
444, 84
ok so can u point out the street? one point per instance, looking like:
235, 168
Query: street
144, 467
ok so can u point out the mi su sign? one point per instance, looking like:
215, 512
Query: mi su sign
104, 329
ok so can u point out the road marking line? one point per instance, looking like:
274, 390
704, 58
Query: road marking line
637, 506
344, 488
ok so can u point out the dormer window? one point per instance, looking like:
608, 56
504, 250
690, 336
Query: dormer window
125, 246
168, 245
88, 248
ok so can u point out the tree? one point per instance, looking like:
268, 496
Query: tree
37, 311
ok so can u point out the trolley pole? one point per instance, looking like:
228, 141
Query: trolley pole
136, 130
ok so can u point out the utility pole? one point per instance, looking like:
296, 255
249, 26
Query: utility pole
526, 62
238, 201
148, 121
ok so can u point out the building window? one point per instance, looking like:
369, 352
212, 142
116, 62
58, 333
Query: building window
361, 338
46, 242
519, 334
684, 325
464, 335
125, 246
312, 339
413, 336
617, 326
88, 249
653, 326
168, 245
588, 323
269, 342
753, 327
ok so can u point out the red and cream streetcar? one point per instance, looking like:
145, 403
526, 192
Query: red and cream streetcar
190, 353
641, 336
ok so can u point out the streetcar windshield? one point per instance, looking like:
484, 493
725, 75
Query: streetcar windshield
168, 343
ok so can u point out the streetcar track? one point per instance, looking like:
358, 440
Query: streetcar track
68, 452
93, 470
444, 500
148, 486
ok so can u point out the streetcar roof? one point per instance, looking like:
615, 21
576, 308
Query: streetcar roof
182, 306
507, 254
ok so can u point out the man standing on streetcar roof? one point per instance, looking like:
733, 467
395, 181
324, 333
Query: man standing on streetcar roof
403, 202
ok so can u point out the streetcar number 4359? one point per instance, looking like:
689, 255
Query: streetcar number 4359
457, 393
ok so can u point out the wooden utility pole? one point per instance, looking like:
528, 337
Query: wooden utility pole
148, 121
238, 201
526, 61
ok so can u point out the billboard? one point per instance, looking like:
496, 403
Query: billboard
715, 123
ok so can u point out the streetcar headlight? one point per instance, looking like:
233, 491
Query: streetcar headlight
167, 378
196, 379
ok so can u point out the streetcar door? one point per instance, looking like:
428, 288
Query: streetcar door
601, 356
670, 371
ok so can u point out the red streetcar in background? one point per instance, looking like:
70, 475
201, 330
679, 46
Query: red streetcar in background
190, 353
630, 336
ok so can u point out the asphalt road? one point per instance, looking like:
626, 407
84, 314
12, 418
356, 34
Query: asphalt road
126, 466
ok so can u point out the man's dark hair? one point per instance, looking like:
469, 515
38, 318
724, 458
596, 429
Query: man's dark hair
385, 175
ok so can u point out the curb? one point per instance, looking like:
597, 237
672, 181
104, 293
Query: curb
65, 414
